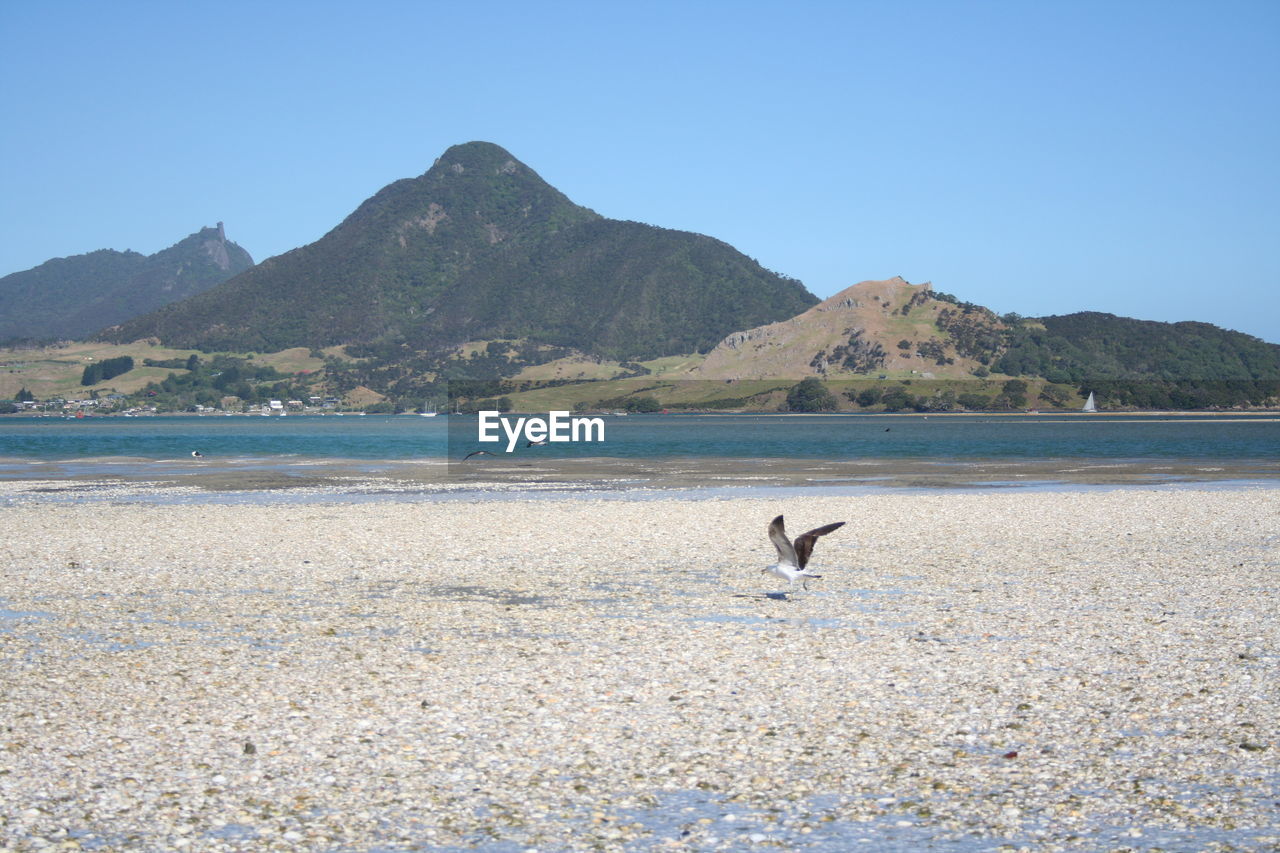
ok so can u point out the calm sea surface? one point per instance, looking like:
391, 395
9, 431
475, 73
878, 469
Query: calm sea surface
656, 437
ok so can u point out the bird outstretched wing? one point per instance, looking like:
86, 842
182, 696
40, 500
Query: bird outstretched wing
778, 535
804, 542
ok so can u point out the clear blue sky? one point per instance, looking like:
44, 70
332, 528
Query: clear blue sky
1038, 157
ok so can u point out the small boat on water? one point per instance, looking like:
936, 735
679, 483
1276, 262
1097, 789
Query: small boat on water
1090, 405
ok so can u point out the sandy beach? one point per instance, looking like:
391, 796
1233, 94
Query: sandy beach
1046, 670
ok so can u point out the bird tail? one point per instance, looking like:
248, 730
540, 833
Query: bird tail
805, 577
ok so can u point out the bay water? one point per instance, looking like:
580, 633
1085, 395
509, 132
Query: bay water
657, 436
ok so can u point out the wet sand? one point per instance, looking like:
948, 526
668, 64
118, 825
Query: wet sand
1053, 670
499, 474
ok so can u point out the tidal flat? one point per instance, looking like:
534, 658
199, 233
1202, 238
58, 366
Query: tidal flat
1041, 670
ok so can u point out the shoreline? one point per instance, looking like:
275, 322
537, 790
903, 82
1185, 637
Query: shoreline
621, 478
1056, 670
1171, 413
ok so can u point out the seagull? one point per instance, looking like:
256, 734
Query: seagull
535, 443
476, 453
792, 559
197, 454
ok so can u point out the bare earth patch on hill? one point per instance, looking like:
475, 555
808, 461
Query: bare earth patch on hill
842, 336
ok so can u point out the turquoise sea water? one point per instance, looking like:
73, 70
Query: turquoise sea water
831, 437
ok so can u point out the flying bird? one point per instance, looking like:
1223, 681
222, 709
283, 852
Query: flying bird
197, 454
476, 453
792, 559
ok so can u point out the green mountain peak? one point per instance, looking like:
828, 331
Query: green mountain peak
477, 248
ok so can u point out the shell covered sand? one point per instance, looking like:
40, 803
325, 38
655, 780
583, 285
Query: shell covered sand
1045, 670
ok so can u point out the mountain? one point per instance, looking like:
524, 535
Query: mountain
75, 296
481, 248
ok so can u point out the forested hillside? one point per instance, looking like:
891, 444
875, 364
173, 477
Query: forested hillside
1143, 363
73, 297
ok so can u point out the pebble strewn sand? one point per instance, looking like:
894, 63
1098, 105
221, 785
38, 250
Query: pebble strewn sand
1048, 670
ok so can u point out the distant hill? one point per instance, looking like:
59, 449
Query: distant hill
481, 248
891, 325
1143, 363
1092, 345
69, 298
874, 327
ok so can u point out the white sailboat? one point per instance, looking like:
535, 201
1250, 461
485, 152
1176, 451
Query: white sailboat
1090, 405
